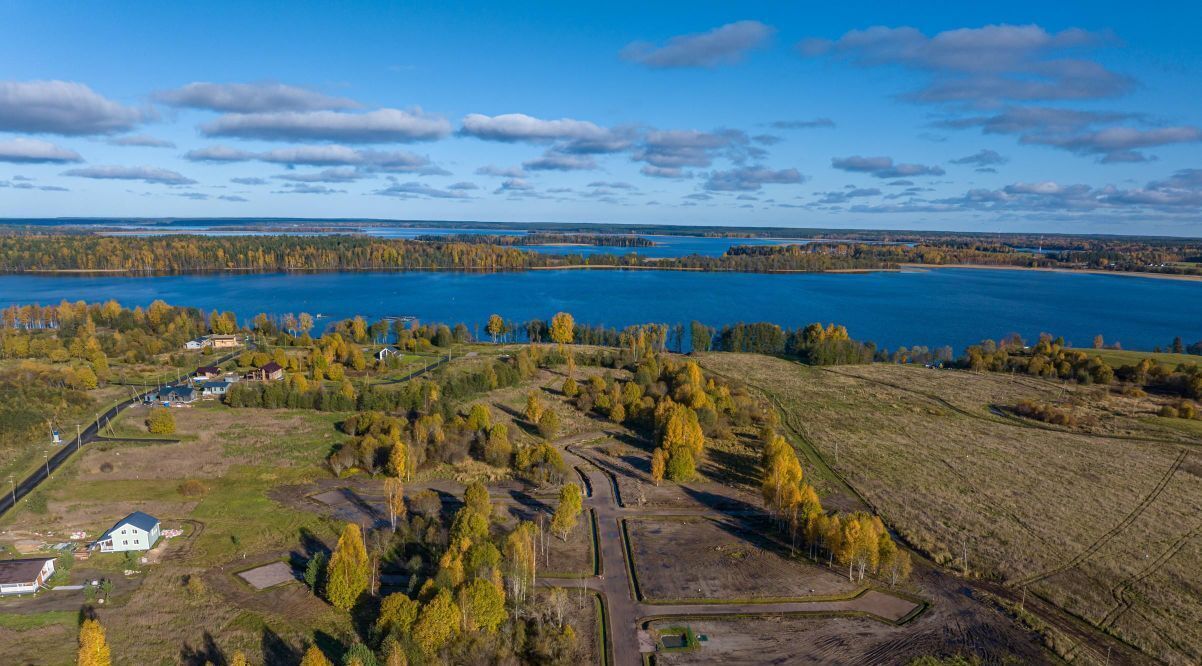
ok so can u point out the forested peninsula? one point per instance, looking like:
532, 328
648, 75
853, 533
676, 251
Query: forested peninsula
178, 254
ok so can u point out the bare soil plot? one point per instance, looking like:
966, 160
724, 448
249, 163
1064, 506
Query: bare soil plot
803, 640
581, 613
562, 557
698, 558
631, 466
268, 575
1076, 514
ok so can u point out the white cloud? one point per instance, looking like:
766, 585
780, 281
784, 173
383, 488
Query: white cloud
251, 98
723, 45
33, 151
145, 174
63, 107
379, 126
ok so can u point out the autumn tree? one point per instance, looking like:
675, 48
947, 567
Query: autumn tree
570, 388
476, 498
93, 646
548, 424
239, 659
394, 497
315, 657
398, 460
496, 326
348, 571
497, 449
563, 329
437, 623
397, 614
534, 407
567, 514
483, 605
659, 461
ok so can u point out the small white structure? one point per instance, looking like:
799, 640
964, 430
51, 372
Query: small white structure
25, 576
198, 343
137, 531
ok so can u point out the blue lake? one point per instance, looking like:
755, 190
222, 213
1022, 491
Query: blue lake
946, 306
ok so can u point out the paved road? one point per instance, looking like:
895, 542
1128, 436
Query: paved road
626, 613
86, 436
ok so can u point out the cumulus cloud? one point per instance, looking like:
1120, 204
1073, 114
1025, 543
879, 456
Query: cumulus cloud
249, 181
982, 159
1086, 133
419, 190
613, 185
723, 45
379, 126
307, 188
803, 124
514, 185
673, 149
63, 107
511, 127
1118, 144
983, 65
501, 172
747, 179
463, 186
848, 195
664, 172
232, 197
250, 98
330, 155
141, 141
556, 161
884, 167
33, 151
343, 175
145, 174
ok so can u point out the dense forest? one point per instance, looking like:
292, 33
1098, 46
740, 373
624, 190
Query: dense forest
37, 252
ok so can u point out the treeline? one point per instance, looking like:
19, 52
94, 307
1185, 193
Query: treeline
1050, 358
858, 540
599, 240
813, 344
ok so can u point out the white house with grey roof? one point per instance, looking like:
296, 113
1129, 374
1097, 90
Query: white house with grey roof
25, 576
137, 531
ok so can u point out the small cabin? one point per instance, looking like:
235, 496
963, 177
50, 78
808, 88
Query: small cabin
269, 372
137, 531
223, 341
198, 343
207, 372
25, 576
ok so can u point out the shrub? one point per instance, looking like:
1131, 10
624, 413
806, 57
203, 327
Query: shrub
161, 421
192, 488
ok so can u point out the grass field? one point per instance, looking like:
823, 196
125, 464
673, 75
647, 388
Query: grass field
1120, 357
1103, 521
238, 456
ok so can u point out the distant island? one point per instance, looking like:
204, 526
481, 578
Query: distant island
40, 248
539, 238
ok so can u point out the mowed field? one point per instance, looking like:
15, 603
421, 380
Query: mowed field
1103, 521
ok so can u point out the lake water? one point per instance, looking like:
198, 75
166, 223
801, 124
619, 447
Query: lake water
954, 307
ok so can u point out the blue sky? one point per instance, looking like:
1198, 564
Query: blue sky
1071, 117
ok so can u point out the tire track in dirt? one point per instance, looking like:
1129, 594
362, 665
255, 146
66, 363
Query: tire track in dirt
1105, 538
1121, 590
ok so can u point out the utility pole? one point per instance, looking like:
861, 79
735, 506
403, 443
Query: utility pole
964, 541
13, 484
46, 457
78, 436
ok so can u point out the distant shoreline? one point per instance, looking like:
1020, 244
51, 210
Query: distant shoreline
1091, 271
574, 267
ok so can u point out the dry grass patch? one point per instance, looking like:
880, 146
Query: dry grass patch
922, 446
